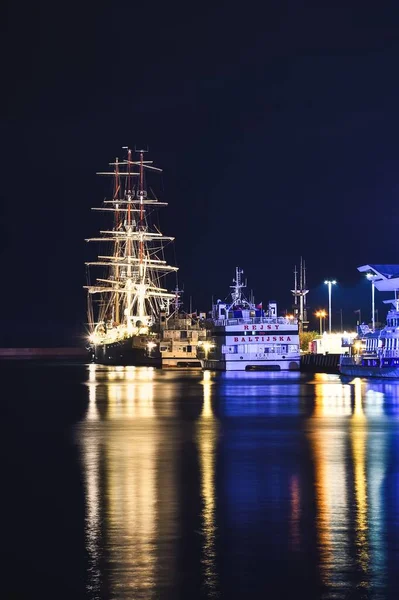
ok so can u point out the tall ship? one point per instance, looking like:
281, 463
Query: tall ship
242, 336
182, 333
128, 303
375, 352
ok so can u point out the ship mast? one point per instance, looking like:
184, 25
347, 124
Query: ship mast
117, 225
129, 245
141, 288
236, 294
136, 263
295, 292
176, 303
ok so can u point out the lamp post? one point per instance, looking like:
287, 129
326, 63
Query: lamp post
371, 277
321, 314
329, 283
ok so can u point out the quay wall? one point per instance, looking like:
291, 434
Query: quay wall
320, 363
310, 363
37, 353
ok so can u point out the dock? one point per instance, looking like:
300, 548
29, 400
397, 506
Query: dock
320, 363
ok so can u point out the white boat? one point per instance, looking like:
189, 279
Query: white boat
376, 353
181, 334
241, 336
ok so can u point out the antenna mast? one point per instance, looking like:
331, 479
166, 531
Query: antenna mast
299, 293
236, 294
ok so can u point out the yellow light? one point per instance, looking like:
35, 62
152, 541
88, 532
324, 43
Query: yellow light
206, 376
321, 314
358, 345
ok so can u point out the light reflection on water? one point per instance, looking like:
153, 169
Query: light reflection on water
130, 486
207, 436
265, 451
349, 471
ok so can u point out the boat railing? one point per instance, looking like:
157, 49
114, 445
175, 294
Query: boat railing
183, 327
350, 360
390, 353
256, 320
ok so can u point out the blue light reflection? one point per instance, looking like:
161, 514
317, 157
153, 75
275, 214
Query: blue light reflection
255, 394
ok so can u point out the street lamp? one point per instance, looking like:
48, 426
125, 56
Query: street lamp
371, 277
321, 314
330, 283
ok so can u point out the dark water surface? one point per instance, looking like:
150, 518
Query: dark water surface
133, 483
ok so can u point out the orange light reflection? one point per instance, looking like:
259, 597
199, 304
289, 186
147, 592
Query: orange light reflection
207, 437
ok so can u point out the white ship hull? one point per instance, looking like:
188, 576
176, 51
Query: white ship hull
247, 364
181, 363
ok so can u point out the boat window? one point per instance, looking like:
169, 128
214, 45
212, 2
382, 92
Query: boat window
230, 349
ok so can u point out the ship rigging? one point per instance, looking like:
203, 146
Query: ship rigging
132, 296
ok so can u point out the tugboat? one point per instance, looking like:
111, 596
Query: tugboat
241, 336
125, 323
375, 353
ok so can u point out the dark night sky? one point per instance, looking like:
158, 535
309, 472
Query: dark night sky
277, 129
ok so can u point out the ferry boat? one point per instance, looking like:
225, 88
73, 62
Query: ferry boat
376, 353
241, 336
125, 322
181, 334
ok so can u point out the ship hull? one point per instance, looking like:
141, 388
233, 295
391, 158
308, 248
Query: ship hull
125, 353
181, 363
363, 371
290, 364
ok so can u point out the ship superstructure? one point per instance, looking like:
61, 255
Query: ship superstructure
125, 321
242, 336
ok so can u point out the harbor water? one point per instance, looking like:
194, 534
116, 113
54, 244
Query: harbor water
138, 483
